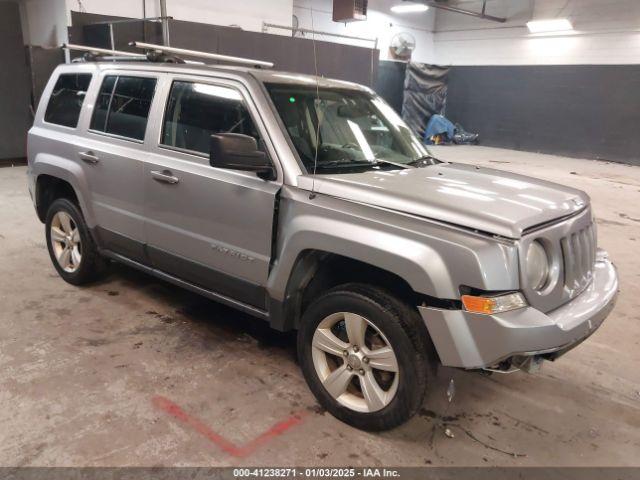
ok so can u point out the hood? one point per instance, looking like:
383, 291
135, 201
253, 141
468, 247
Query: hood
488, 200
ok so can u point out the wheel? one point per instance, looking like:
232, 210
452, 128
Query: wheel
364, 356
71, 248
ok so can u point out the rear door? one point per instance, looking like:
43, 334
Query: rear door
209, 226
112, 155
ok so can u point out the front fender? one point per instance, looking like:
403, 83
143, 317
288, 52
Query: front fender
434, 260
402, 256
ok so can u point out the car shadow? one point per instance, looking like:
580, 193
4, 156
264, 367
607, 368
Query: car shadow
211, 319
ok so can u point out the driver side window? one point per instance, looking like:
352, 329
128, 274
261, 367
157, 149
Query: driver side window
195, 111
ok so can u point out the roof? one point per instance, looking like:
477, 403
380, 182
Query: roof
262, 75
274, 76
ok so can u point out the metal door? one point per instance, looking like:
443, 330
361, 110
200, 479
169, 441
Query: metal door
209, 226
113, 164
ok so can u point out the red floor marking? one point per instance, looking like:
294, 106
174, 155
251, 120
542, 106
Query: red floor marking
225, 445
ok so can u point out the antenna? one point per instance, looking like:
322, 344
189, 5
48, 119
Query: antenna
196, 53
312, 195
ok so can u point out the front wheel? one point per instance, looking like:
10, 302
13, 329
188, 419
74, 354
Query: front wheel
363, 353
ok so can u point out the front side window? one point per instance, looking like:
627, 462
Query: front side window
122, 106
67, 98
195, 111
347, 130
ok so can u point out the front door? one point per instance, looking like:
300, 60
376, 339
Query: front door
211, 227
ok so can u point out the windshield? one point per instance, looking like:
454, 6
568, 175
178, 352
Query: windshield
354, 130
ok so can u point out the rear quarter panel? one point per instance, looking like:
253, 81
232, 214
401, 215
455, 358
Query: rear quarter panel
52, 149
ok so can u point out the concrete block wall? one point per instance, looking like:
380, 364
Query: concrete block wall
381, 24
45, 21
606, 32
247, 14
575, 94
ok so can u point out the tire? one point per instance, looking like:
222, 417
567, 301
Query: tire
82, 264
388, 321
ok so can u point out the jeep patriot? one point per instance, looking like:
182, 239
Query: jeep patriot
309, 203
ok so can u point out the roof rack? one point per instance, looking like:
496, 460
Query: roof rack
161, 49
157, 53
94, 54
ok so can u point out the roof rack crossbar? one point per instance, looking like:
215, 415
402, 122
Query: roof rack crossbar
196, 53
101, 51
115, 55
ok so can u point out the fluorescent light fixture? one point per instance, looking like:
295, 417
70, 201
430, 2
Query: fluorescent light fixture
409, 8
555, 25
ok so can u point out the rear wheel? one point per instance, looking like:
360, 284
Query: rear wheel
71, 248
364, 355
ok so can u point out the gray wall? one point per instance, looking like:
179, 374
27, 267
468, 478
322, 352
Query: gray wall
390, 82
42, 62
589, 111
335, 60
15, 91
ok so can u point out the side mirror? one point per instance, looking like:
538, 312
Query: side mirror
239, 152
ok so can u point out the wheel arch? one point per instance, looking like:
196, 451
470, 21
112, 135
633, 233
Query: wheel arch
315, 271
49, 189
56, 177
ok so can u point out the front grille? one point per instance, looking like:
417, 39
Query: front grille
571, 245
579, 256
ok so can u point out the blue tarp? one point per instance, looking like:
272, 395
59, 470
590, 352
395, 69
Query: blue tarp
438, 125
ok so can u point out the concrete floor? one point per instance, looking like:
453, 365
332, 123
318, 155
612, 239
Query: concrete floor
133, 371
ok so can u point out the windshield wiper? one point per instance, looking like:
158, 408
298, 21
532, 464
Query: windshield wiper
388, 162
424, 161
352, 164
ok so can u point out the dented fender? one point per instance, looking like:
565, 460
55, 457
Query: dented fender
434, 259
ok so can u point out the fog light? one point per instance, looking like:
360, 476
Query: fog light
491, 305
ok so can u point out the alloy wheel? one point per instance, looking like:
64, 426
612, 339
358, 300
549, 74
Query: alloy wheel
355, 362
65, 240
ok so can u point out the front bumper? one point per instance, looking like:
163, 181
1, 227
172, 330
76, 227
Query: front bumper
468, 340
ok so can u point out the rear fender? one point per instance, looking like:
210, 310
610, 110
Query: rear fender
69, 171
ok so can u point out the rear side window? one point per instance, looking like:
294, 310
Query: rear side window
195, 111
122, 106
67, 98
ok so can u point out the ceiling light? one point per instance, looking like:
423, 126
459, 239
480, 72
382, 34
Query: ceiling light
409, 8
555, 25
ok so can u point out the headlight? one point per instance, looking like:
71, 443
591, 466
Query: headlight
537, 266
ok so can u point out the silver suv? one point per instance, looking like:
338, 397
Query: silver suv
308, 203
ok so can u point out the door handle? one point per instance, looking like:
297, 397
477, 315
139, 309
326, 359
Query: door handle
89, 157
164, 176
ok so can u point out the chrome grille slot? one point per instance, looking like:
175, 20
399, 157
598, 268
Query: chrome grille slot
579, 254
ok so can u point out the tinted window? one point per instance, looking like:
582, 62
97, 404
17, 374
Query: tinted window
66, 100
122, 106
195, 111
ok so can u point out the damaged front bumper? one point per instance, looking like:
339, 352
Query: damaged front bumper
469, 340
